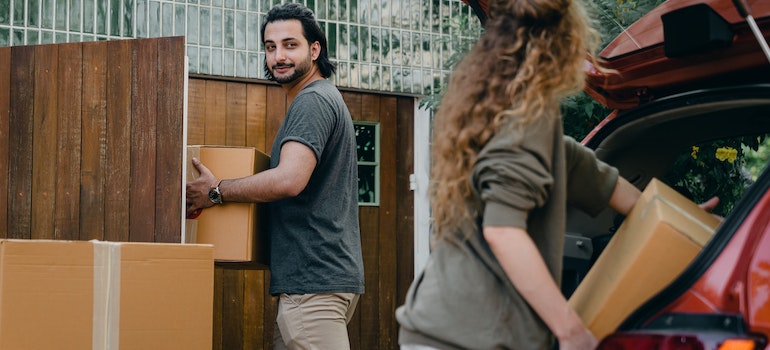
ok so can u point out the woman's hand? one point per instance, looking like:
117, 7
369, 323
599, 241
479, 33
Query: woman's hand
709, 205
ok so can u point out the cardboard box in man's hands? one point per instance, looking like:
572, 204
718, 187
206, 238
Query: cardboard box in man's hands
233, 228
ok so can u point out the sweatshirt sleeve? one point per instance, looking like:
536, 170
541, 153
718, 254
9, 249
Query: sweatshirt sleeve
590, 182
511, 181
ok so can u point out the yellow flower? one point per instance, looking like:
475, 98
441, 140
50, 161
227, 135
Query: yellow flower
727, 153
694, 153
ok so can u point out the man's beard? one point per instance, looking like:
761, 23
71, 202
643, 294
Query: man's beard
299, 70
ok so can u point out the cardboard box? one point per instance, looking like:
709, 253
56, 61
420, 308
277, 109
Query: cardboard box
658, 239
233, 228
105, 295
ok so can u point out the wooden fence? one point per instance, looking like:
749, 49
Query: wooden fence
91, 147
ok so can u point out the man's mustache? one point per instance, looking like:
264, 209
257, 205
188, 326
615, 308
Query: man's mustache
278, 65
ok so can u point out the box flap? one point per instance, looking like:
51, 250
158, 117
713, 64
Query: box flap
694, 222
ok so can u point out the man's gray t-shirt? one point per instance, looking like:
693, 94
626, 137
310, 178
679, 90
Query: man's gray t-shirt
315, 236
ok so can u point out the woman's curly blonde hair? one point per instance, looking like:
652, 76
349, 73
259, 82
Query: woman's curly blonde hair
530, 56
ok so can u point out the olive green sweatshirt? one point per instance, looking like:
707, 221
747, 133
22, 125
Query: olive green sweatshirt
523, 178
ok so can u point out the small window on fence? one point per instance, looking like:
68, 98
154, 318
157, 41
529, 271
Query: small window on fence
368, 147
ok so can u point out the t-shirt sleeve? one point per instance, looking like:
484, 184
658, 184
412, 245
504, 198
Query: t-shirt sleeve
309, 121
511, 181
590, 182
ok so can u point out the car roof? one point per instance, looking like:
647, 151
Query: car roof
647, 62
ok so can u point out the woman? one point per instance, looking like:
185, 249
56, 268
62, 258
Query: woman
503, 174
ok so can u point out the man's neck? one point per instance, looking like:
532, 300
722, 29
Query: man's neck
293, 88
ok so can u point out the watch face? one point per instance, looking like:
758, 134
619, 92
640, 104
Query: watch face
215, 196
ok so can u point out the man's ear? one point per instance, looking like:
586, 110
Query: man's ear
315, 50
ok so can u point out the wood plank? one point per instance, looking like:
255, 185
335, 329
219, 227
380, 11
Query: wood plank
144, 106
389, 215
353, 100
368, 307
44, 142
253, 309
370, 108
70, 95
235, 115
94, 125
118, 155
405, 211
271, 312
20, 142
256, 114
232, 309
218, 308
276, 111
170, 123
216, 113
196, 112
5, 107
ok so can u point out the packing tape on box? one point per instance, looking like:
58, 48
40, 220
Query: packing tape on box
679, 210
106, 318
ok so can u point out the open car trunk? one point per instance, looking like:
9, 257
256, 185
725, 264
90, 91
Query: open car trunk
644, 143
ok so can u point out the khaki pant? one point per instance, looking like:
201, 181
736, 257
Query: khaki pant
416, 347
314, 321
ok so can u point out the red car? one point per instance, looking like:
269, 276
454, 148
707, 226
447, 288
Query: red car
689, 72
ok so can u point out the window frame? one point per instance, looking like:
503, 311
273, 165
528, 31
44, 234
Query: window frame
375, 163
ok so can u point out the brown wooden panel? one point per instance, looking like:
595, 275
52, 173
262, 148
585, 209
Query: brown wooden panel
196, 112
68, 140
94, 125
70, 93
170, 123
20, 142
44, 142
235, 122
353, 101
144, 106
271, 312
5, 107
256, 113
368, 307
118, 155
389, 173
405, 166
386, 230
232, 309
276, 110
216, 113
253, 309
218, 307
370, 109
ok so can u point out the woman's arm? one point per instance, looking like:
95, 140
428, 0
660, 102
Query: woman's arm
624, 196
524, 266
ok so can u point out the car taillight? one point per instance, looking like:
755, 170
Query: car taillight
631, 341
738, 344
628, 341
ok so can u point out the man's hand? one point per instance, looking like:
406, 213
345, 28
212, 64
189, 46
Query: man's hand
198, 190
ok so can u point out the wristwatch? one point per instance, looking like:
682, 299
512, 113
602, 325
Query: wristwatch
215, 196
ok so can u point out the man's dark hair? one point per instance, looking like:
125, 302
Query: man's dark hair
310, 29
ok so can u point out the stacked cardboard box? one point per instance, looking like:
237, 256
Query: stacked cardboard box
658, 239
233, 228
105, 295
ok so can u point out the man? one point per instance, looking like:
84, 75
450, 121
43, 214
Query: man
316, 263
